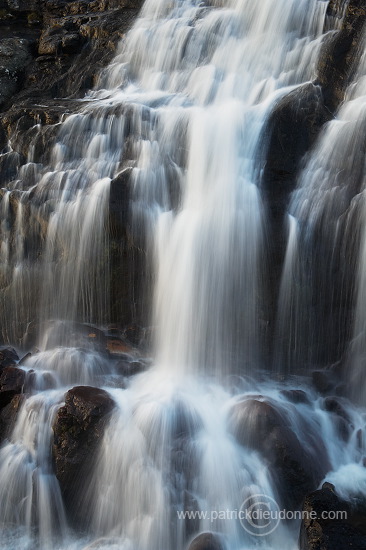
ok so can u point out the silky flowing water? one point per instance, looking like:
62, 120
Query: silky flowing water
191, 88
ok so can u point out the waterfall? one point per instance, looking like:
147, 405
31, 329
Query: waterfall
30, 492
210, 72
287, 337
213, 97
178, 119
169, 450
329, 250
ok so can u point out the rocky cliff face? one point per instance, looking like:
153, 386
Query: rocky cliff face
52, 48
290, 133
51, 53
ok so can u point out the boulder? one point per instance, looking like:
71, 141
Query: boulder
319, 532
8, 357
11, 384
290, 132
78, 429
297, 462
207, 541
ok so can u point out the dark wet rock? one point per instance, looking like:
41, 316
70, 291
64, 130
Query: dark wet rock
130, 285
24, 359
36, 380
119, 201
290, 132
8, 416
344, 429
323, 381
119, 348
24, 5
335, 8
15, 56
64, 8
11, 384
249, 414
341, 390
185, 421
78, 429
335, 405
296, 396
297, 463
319, 532
133, 334
127, 261
9, 165
207, 541
66, 45
35, 127
63, 54
8, 357
340, 54
130, 368
71, 44
60, 39
3, 139
76, 41
342, 419
89, 336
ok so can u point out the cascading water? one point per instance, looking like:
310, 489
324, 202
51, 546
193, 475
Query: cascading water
181, 109
66, 209
30, 494
325, 245
210, 253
